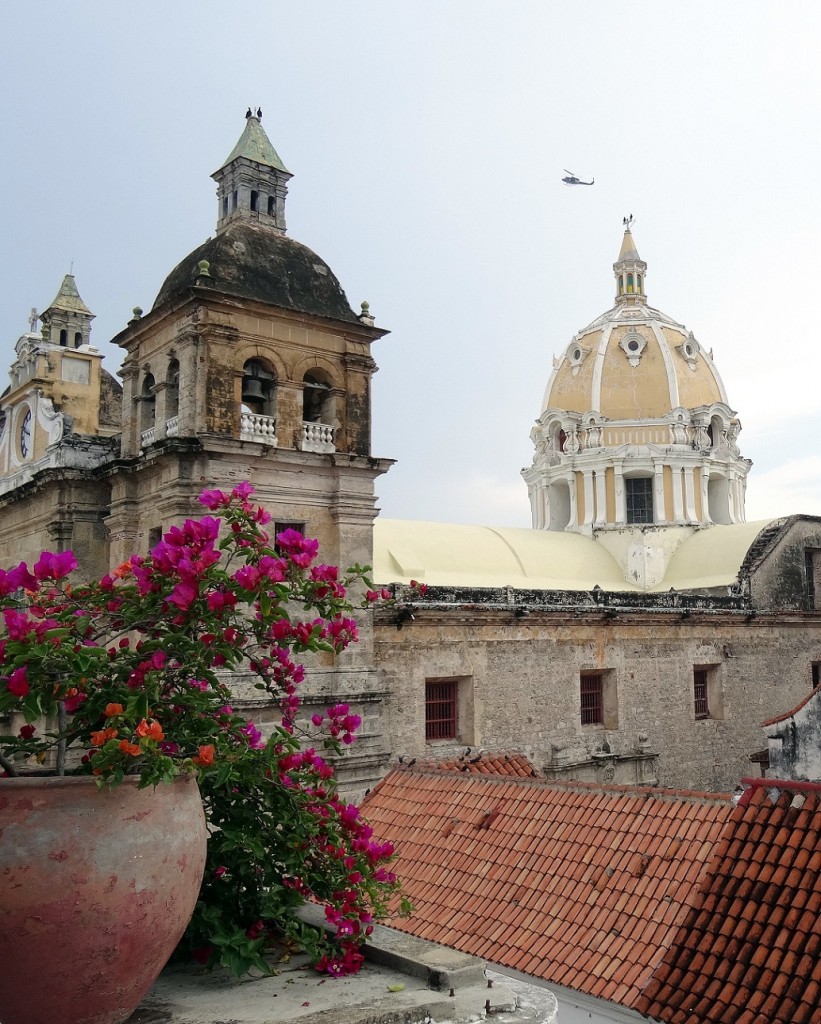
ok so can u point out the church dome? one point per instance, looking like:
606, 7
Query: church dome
633, 362
252, 261
251, 256
635, 429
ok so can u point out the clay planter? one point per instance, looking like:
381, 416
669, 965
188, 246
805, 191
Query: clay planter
96, 888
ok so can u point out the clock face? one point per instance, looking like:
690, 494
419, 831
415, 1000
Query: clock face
25, 435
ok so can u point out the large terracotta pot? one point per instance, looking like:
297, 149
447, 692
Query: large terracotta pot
96, 888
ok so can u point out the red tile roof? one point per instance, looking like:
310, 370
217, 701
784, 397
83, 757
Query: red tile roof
489, 764
749, 949
581, 885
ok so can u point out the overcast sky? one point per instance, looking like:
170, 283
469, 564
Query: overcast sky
427, 141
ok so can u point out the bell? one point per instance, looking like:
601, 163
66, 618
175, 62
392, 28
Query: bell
252, 390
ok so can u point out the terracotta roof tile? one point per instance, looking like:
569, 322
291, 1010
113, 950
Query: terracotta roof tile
587, 883
768, 934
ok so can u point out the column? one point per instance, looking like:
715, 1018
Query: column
659, 513
690, 495
601, 498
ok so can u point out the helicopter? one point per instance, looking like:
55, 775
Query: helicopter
571, 179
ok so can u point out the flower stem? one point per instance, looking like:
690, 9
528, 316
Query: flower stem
61, 743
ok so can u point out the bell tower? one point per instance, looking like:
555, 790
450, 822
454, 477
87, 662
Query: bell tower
67, 321
253, 182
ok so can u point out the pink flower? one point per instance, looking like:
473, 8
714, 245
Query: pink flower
184, 595
17, 578
317, 719
17, 684
27, 731
51, 566
214, 499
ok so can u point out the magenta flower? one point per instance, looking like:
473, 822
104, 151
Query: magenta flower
51, 566
17, 684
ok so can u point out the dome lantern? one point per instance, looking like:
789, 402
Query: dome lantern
630, 270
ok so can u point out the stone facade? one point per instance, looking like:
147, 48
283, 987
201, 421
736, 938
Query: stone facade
635, 658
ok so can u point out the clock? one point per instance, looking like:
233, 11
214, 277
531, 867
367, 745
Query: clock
25, 435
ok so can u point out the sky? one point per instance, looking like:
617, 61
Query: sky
428, 139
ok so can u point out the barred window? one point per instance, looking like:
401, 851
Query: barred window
591, 690
639, 495
700, 693
441, 709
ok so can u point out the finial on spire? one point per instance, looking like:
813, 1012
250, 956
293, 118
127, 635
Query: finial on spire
248, 113
259, 113
627, 221
33, 318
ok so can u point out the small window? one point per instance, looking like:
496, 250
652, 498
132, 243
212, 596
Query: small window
78, 339
812, 561
64, 337
225, 206
598, 702
815, 669
630, 283
254, 201
234, 200
591, 690
638, 283
441, 709
702, 703
271, 206
708, 701
639, 494
154, 536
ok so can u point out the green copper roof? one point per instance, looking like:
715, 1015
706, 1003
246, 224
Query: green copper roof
68, 298
255, 145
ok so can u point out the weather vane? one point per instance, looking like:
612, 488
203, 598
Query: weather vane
627, 221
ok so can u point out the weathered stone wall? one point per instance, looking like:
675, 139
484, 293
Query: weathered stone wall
520, 674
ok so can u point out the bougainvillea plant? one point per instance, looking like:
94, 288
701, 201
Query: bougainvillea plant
132, 675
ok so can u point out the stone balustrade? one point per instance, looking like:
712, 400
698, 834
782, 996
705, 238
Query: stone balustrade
255, 427
317, 437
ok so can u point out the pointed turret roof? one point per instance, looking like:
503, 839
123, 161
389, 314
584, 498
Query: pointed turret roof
628, 249
68, 298
255, 145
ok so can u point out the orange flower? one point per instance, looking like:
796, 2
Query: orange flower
124, 569
129, 748
103, 736
113, 709
205, 755
152, 730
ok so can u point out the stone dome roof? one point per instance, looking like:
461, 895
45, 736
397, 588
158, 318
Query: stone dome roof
633, 362
252, 261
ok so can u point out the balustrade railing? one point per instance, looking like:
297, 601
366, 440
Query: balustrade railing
317, 437
255, 427
172, 427
147, 437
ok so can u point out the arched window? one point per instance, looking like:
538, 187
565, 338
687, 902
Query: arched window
638, 283
147, 402
629, 283
258, 388
78, 339
254, 201
621, 284
234, 200
64, 337
271, 206
317, 401
172, 391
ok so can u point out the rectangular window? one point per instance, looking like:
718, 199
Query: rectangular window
816, 673
812, 560
591, 690
639, 495
702, 703
154, 536
441, 709
708, 696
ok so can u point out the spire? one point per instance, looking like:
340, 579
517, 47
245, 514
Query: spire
630, 270
68, 298
67, 321
253, 182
